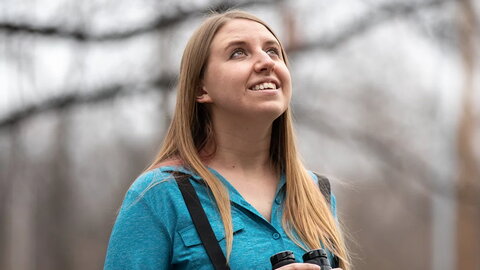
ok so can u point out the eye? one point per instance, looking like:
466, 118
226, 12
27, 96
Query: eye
239, 52
273, 51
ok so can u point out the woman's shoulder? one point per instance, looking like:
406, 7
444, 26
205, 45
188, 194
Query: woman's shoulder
157, 183
155, 189
313, 175
161, 177
323, 182
320, 179
159, 174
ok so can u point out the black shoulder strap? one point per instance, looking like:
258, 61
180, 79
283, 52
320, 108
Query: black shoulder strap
325, 188
201, 223
324, 185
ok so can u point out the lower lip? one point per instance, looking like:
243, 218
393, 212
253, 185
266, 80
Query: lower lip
266, 92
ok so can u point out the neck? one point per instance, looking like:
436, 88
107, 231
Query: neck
240, 146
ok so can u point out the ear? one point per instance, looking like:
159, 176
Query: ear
202, 95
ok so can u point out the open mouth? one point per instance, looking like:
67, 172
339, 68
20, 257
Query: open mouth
264, 86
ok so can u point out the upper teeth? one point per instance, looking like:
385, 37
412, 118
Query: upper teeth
262, 86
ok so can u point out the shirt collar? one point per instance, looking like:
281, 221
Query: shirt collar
233, 193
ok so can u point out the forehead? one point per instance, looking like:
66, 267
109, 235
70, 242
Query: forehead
242, 29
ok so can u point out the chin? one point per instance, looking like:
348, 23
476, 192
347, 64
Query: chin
270, 113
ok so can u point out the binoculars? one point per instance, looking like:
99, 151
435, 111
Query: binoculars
317, 256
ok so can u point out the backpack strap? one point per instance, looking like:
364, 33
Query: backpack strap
324, 185
201, 222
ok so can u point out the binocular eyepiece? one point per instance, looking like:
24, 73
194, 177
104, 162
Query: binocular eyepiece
317, 256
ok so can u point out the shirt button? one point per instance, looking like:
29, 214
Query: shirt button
276, 236
278, 201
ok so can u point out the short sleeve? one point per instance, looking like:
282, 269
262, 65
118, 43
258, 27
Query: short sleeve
139, 239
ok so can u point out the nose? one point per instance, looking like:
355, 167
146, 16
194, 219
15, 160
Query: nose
264, 63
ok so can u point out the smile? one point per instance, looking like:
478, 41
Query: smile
264, 86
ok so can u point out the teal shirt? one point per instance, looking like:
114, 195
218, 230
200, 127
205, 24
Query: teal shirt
154, 230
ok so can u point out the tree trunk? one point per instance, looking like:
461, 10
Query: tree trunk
468, 215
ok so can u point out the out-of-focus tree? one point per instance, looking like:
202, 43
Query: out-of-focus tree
468, 238
82, 121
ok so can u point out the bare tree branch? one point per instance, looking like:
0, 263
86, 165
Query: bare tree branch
368, 21
360, 26
400, 160
76, 98
162, 22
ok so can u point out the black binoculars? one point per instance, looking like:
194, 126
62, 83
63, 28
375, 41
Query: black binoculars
317, 256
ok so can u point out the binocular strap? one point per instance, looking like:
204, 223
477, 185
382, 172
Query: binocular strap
201, 222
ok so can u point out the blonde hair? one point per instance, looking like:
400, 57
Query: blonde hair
307, 218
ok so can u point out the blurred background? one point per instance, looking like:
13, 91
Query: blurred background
386, 103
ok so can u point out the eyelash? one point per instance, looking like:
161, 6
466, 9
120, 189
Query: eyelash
275, 50
232, 55
237, 50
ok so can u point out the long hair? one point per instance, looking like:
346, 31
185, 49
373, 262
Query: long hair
307, 218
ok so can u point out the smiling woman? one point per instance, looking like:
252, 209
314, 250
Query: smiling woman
246, 79
232, 140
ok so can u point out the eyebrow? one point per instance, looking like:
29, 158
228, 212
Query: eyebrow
243, 43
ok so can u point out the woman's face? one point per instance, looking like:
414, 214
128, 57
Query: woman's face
245, 74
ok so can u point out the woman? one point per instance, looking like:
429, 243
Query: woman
232, 134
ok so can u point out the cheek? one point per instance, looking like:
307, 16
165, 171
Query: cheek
285, 76
212, 80
220, 75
